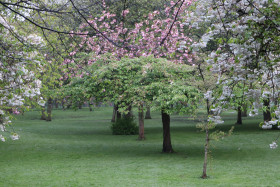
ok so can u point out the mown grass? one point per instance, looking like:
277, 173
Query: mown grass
78, 149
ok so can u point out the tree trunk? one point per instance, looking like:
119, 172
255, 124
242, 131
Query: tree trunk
80, 105
244, 111
266, 113
62, 104
119, 115
43, 115
129, 112
90, 106
49, 110
148, 113
141, 122
239, 116
56, 103
68, 106
113, 120
167, 147
206, 147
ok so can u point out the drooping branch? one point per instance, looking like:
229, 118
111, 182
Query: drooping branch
38, 25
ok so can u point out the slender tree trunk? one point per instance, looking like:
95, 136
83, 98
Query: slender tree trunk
43, 114
49, 110
239, 116
62, 104
166, 147
148, 113
266, 114
114, 113
90, 106
141, 122
206, 147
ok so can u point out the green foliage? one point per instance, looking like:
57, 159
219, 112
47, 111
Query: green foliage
124, 126
154, 81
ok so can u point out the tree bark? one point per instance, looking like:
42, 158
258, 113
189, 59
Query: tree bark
148, 113
244, 111
113, 120
239, 116
141, 122
49, 110
62, 104
266, 113
56, 103
206, 147
80, 105
166, 147
119, 115
90, 106
129, 112
43, 115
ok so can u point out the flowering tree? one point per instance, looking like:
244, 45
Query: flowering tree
18, 64
145, 80
154, 36
245, 56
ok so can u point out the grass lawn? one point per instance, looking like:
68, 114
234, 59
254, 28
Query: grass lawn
78, 149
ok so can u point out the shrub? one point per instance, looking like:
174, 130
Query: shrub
124, 126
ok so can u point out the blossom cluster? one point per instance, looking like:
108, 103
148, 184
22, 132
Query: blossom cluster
18, 80
162, 38
247, 53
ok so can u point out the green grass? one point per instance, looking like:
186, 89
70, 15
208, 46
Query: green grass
78, 149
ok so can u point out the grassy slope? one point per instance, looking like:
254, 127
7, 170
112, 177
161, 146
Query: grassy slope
77, 149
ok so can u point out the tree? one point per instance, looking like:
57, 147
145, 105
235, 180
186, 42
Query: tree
247, 51
18, 63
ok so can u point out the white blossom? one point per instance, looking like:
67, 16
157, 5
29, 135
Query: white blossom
2, 138
215, 119
273, 145
14, 136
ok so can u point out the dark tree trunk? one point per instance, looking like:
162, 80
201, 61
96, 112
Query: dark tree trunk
166, 147
119, 115
1, 119
141, 122
244, 111
266, 113
129, 112
90, 106
68, 106
43, 114
80, 105
62, 104
49, 110
206, 147
239, 116
56, 103
114, 114
148, 113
